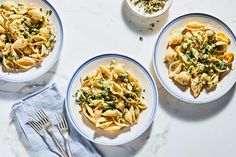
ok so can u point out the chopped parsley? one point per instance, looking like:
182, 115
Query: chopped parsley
112, 105
127, 105
48, 12
81, 97
123, 78
14, 57
221, 65
97, 97
104, 92
88, 100
76, 94
102, 122
189, 54
86, 78
140, 38
130, 96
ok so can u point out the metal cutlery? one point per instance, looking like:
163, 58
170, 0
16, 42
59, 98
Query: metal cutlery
63, 129
45, 122
39, 129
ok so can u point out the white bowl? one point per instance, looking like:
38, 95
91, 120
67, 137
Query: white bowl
162, 72
140, 12
88, 130
50, 60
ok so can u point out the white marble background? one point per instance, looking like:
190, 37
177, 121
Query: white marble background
99, 26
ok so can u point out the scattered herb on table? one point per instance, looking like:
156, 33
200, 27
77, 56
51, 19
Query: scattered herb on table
141, 38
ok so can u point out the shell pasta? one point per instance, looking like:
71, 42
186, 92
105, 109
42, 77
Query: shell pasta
26, 35
197, 56
110, 97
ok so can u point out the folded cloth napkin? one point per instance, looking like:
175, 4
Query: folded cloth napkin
50, 100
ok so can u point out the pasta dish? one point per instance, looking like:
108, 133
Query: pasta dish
197, 56
26, 35
110, 97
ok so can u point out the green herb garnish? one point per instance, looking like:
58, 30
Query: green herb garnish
123, 78
140, 38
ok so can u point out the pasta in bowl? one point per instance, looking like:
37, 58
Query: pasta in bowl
198, 56
198, 52
27, 36
31, 37
110, 97
111, 107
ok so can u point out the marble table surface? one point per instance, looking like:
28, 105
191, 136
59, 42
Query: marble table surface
100, 26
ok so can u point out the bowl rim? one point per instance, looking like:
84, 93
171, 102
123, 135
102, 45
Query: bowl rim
9, 79
157, 14
108, 55
164, 29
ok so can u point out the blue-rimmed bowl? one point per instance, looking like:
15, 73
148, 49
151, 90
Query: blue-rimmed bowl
161, 69
51, 59
88, 130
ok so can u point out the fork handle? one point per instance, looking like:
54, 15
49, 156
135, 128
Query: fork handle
68, 149
59, 147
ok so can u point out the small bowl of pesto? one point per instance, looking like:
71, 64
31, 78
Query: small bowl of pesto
148, 8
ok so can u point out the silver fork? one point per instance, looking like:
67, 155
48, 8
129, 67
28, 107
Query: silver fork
63, 129
46, 123
39, 129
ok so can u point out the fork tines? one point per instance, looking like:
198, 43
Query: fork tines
62, 121
41, 115
35, 125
